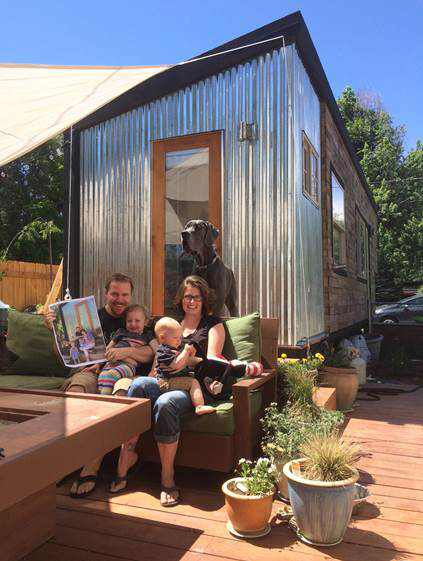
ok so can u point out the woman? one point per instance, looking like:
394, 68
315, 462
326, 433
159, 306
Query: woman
207, 334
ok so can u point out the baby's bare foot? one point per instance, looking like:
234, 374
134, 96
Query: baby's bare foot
204, 409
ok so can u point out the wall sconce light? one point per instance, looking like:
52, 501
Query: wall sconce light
247, 131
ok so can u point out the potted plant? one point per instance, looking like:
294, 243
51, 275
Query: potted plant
337, 373
322, 488
285, 431
313, 362
249, 498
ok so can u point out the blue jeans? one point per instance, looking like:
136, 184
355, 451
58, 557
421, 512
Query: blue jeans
167, 407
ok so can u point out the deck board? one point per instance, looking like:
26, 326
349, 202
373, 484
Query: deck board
133, 526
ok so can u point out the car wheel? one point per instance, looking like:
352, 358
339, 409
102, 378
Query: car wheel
390, 320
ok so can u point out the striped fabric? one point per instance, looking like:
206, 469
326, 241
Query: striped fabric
111, 374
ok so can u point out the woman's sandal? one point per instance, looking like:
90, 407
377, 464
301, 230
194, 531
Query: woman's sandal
84, 479
132, 471
168, 490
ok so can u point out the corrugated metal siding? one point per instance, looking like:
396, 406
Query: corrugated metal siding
261, 192
308, 247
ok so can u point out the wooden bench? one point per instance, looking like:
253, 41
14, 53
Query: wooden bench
220, 452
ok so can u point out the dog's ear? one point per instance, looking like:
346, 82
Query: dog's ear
212, 233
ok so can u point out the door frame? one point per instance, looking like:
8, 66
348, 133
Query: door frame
210, 140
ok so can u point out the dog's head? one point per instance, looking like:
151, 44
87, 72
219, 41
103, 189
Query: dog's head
198, 235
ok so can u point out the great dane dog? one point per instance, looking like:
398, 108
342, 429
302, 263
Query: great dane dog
198, 239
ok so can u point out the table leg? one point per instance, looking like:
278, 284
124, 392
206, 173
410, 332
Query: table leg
28, 524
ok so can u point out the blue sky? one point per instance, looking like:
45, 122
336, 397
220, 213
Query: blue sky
370, 45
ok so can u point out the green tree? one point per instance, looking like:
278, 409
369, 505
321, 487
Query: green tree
32, 203
396, 183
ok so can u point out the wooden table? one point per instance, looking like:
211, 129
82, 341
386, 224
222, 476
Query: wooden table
47, 435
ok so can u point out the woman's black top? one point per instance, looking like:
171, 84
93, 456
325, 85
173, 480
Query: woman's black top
200, 337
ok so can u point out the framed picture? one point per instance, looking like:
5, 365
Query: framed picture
78, 333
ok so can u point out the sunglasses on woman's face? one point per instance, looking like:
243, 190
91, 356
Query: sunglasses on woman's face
189, 297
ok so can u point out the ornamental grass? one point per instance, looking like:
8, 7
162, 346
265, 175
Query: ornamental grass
329, 457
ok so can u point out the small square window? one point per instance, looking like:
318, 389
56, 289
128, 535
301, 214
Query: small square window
310, 171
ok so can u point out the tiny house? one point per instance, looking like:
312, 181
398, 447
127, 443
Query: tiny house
249, 137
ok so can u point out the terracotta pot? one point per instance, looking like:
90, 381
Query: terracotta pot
248, 514
345, 380
322, 509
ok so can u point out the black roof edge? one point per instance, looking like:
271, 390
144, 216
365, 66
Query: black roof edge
180, 76
294, 30
311, 60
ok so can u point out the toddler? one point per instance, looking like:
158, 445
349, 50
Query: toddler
173, 372
136, 318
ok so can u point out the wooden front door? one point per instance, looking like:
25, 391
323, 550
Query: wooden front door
186, 186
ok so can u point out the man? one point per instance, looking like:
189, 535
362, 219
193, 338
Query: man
118, 297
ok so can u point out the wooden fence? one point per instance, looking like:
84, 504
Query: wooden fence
24, 284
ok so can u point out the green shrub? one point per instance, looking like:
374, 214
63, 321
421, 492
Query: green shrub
339, 359
286, 430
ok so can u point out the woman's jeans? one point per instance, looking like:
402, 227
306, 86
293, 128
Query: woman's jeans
167, 407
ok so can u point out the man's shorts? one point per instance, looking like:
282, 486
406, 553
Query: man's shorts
176, 383
84, 378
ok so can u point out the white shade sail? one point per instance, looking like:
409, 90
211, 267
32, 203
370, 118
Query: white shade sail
37, 102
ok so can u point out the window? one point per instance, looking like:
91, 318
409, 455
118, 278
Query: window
338, 224
310, 170
362, 248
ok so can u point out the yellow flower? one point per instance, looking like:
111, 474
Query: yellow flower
283, 355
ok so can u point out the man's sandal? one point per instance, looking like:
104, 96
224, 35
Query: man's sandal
169, 490
84, 479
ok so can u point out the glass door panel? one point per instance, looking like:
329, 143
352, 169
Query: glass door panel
187, 198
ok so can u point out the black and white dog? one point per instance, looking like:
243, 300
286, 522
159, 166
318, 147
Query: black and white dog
198, 239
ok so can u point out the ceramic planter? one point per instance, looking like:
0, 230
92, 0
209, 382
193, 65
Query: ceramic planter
248, 514
345, 380
322, 509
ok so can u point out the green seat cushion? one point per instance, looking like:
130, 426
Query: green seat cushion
221, 422
31, 382
243, 338
32, 342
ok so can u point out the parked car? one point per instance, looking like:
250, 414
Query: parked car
408, 310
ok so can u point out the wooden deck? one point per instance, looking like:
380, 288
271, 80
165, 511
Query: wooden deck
135, 527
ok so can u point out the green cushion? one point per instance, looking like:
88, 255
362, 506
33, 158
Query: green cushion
31, 382
243, 338
32, 342
221, 422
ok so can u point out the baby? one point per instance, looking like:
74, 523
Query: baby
136, 318
173, 372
